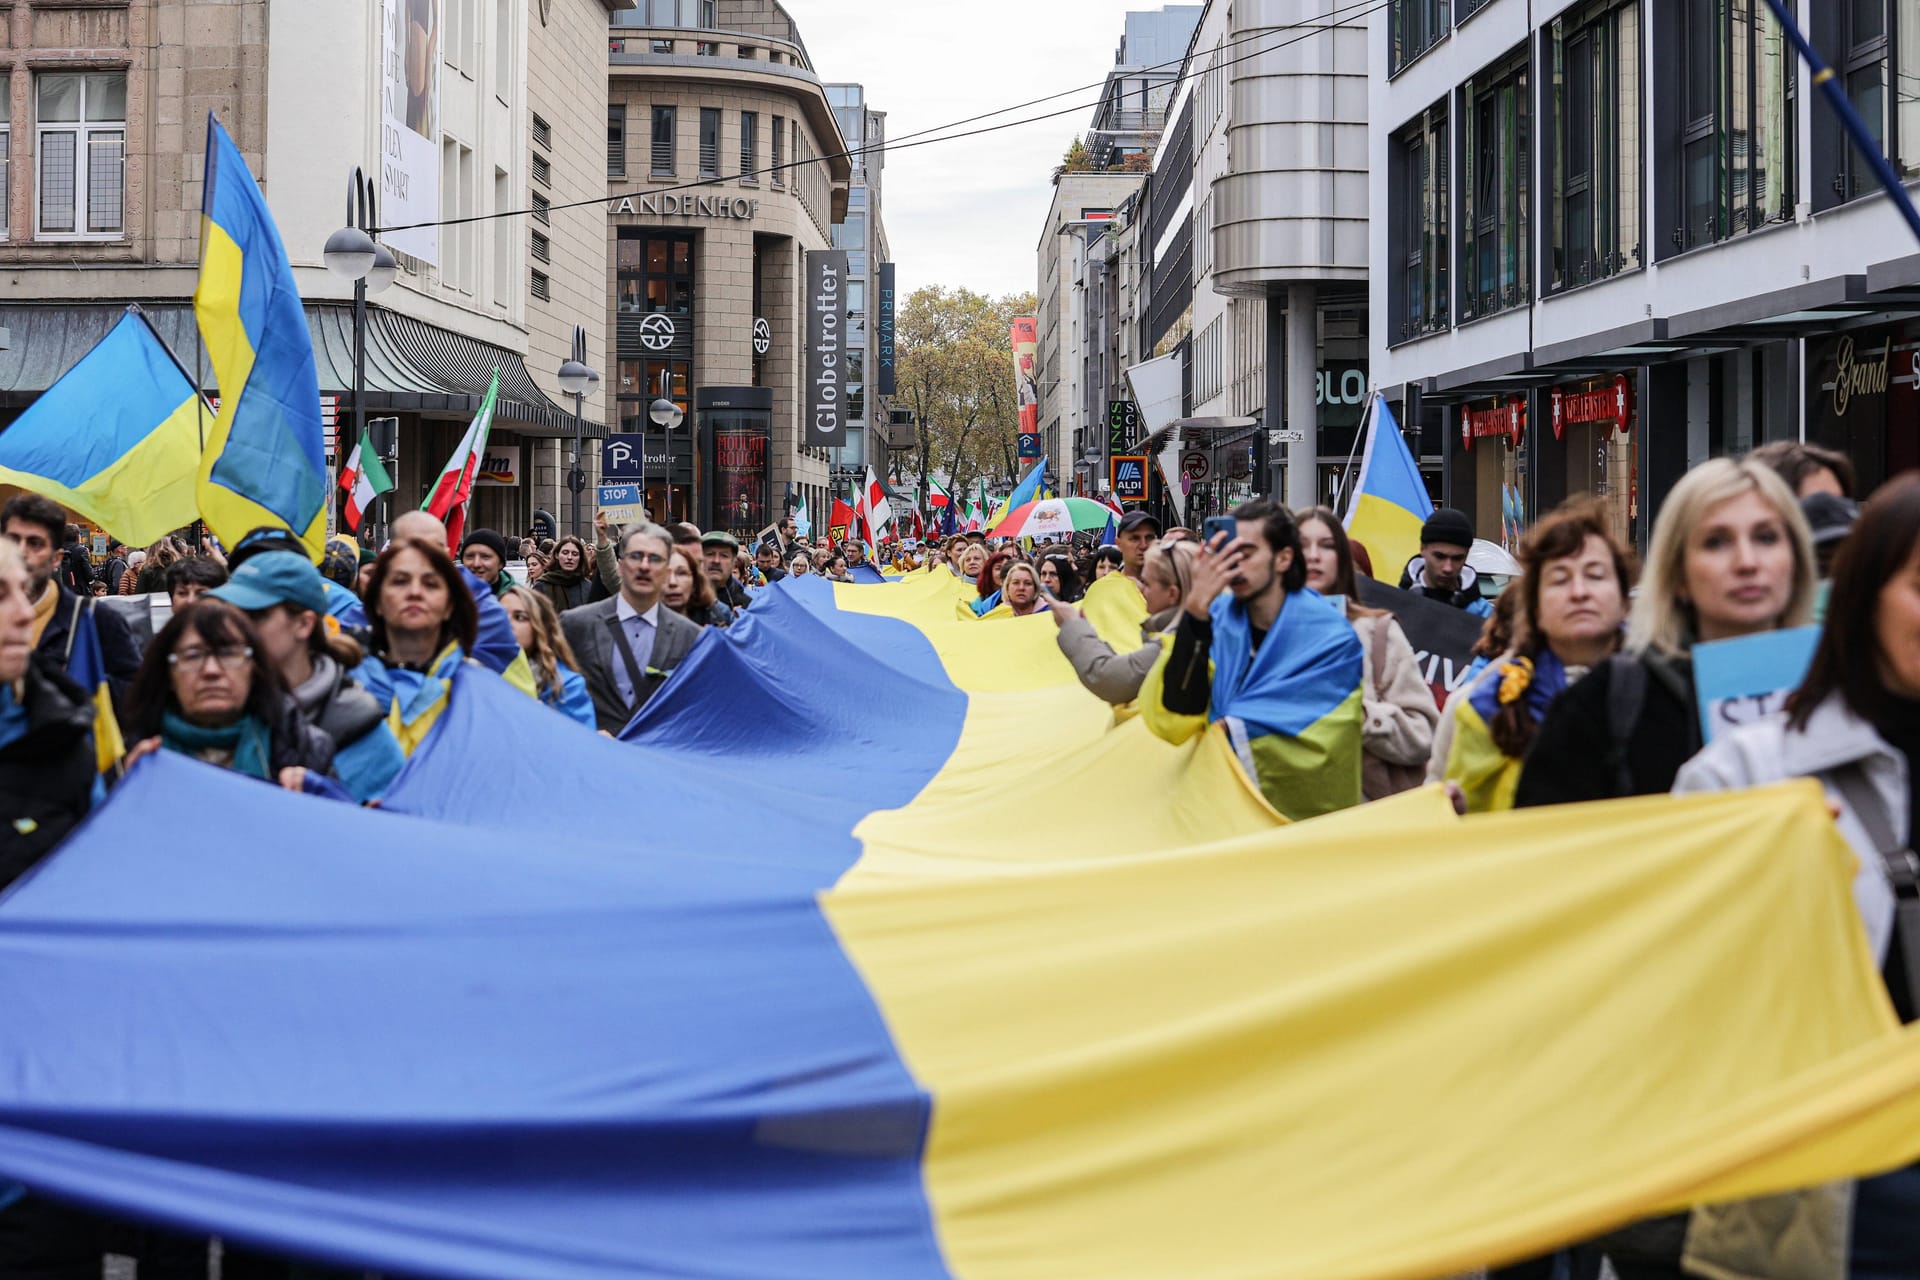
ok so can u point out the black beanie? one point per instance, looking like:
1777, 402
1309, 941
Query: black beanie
1449, 526
488, 539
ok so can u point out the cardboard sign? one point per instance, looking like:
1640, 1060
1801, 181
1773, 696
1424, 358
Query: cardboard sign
620, 503
1738, 681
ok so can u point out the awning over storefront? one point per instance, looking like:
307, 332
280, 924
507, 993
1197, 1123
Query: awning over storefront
412, 366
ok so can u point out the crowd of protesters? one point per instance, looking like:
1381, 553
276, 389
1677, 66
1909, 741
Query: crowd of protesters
325, 679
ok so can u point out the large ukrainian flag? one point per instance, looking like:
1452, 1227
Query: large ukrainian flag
116, 440
1390, 500
925, 971
265, 462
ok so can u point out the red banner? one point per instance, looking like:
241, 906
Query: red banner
1611, 405
1026, 371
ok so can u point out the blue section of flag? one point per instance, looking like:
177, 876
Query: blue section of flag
1029, 487
1392, 474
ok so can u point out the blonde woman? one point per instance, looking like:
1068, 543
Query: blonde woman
1730, 556
555, 670
1116, 677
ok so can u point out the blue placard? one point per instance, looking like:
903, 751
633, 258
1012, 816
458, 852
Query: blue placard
1738, 681
620, 502
620, 457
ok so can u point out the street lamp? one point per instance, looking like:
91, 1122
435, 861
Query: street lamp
576, 379
666, 415
352, 254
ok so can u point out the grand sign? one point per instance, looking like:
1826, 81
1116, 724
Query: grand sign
665, 204
1859, 373
1611, 405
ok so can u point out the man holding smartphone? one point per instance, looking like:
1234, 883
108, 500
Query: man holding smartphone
1259, 653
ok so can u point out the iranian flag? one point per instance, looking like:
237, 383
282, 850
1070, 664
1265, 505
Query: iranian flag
937, 495
454, 489
874, 508
364, 479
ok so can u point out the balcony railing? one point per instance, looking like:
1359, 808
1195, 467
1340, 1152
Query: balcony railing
745, 46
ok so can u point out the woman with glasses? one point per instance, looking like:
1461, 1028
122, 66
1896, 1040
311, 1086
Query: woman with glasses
207, 690
423, 622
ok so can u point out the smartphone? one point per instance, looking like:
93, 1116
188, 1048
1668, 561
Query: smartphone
1218, 525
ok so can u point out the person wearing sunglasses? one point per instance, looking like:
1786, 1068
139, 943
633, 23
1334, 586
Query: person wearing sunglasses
629, 645
207, 690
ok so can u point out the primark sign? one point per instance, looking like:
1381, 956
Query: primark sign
665, 204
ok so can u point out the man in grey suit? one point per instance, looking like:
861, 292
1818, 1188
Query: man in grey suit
630, 644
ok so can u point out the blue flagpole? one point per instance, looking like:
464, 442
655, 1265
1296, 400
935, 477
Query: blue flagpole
1829, 84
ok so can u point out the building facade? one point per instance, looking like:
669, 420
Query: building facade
725, 168
863, 234
104, 144
1618, 237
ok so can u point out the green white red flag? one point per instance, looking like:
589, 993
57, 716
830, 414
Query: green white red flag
454, 489
364, 479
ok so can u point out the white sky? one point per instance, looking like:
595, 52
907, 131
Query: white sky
967, 213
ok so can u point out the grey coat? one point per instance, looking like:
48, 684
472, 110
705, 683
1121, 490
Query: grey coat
590, 631
1108, 675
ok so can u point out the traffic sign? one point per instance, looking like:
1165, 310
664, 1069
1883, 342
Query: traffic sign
620, 456
1029, 444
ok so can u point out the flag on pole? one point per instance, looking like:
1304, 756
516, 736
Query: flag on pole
873, 506
937, 495
264, 462
364, 479
1026, 491
802, 523
1390, 500
87, 667
116, 439
454, 489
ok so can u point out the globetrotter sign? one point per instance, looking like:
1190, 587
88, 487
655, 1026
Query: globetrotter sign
1508, 421
1611, 405
824, 411
661, 205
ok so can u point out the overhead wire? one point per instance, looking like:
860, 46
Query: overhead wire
1304, 29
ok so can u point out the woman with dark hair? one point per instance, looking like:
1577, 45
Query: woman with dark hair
286, 600
689, 593
1569, 603
567, 580
1854, 724
987, 584
1807, 468
1057, 575
207, 690
423, 622
1107, 560
1397, 735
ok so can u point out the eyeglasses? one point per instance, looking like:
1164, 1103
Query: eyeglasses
653, 558
230, 656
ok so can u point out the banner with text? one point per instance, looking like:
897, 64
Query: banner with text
410, 125
886, 379
1026, 371
824, 412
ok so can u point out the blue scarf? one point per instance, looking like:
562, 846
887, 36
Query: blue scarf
246, 739
987, 605
1308, 664
414, 692
1536, 690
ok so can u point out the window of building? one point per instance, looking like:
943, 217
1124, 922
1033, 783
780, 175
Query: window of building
1726, 133
668, 13
1876, 44
706, 48
502, 48
459, 265
502, 236
654, 272
856, 310
750, 146
709, 142
542, 170
856, 197
1593, 165
6, 175
542, 209
1413, 27
851, 234
663, 127
779, 139
81, 145
540, 288
543, 132
1418, 243
539, 246
616, 140
1496, 194
856, 386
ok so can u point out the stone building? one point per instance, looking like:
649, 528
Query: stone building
725, 167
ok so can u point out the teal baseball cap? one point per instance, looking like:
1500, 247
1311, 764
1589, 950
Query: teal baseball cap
271, 578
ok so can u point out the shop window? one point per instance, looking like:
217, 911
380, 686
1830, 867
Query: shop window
81, 143
1413, 27
1417, 227
1494, 262
1594, 143
1726, 135
709, 142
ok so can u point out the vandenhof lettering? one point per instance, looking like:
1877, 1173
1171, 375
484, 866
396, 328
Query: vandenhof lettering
1858, 378
662, 204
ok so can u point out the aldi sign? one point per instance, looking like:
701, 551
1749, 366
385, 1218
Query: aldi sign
1128, 474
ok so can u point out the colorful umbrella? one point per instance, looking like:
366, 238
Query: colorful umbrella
1051, 517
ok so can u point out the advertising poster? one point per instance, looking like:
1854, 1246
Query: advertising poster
499, 465
740, 484
824, 411
410, 125
1026, 371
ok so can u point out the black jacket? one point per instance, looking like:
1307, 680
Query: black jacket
46, 774
76, 569
117, 649
1575, 757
